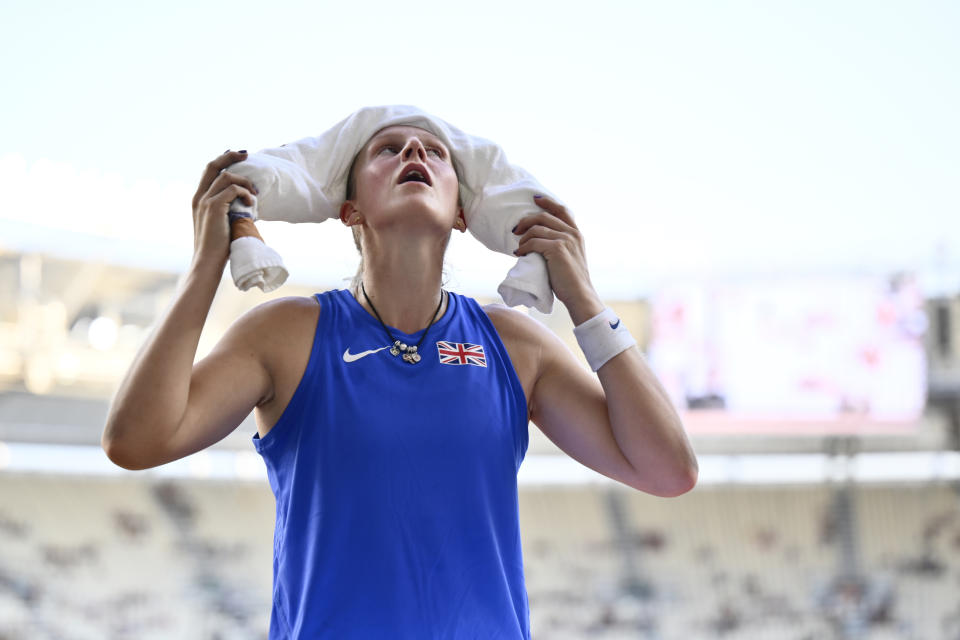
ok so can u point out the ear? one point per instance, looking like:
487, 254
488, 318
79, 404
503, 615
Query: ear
346, 210
461, 217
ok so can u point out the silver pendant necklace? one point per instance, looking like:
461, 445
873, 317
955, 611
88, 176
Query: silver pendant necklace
409, 351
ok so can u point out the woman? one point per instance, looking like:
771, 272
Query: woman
392, 417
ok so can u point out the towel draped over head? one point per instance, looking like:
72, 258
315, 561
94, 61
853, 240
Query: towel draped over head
306, 181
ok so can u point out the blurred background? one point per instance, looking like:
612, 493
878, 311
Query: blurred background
768, 194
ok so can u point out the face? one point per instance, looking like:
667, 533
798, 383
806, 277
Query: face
384, 194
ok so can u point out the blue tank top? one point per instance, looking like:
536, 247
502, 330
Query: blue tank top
396, 484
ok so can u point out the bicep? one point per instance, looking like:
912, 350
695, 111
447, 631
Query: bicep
569, 406
564, 388
225, 386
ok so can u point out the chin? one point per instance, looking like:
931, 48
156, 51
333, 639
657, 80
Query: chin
415, 219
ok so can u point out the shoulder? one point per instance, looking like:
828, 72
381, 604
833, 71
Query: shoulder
518, 326
267, 317
276, 328
278, 333
530, 340
525, 339
514, 325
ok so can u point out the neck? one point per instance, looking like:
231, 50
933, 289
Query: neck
403, 282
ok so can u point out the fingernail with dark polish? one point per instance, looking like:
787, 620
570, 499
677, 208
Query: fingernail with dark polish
514, 228
537, 196
515, 251
242, 151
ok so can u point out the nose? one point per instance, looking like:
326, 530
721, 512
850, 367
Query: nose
414, 146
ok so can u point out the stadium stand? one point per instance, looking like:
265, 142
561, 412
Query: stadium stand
751, 553
97, 558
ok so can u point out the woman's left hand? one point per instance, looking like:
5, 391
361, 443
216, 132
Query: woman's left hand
553, 233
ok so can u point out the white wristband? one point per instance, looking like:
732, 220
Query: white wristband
602, 337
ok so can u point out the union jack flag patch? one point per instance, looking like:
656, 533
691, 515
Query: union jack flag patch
461, 353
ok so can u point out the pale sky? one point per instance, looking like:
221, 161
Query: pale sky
688, 139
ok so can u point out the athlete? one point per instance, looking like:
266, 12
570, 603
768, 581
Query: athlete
392, 416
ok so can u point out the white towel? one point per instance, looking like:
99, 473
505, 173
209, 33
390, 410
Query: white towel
306, 181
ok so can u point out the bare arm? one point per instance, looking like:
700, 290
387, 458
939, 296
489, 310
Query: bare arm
621, 424
620, 418
163, 391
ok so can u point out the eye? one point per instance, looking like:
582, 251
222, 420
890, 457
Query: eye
391, 147
437, 152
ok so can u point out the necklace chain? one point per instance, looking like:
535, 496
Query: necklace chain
409, 351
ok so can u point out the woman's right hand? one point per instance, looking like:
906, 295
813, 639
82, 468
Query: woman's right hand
211, 203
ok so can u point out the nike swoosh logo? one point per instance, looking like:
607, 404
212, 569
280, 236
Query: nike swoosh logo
614, 326
350, 357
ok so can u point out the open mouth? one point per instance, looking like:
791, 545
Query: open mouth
415, 174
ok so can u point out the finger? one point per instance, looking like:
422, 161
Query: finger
554, 207
541, 231
213, 168
543, 218
543, 246
222, 199
227, 178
